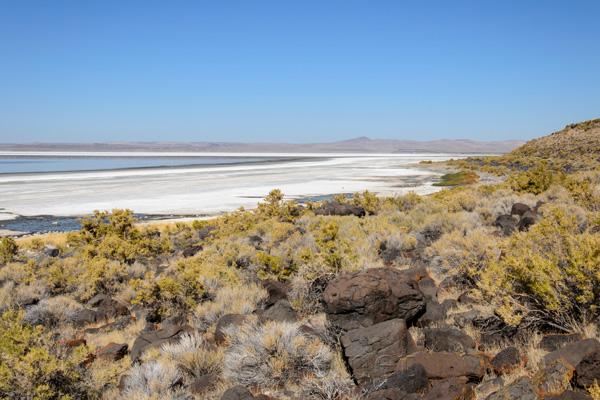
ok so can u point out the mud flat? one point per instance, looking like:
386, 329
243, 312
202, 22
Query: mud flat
210, 189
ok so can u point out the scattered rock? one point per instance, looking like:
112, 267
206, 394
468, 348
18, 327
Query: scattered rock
464, 318
447, 339
449, 304
507, 361
368, 297
451, 389
392, 394
434, 314
276, 290
411, 380
72, 343
506, 223
157, 338
226, 321
342, 209
568, 395
108, 307
374, 351
465, 299
519, 209
282, 311
588, 370
527, 219
573, 353
205, 232
518, 390
113, 351
556, 341
191, 251
204, 384
238, 392
452, 281
554, 378
86, 316
447, 365
50, 251
428, 288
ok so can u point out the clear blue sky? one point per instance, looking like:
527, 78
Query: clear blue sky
295, 71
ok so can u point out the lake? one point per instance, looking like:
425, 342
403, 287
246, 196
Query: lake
76, 184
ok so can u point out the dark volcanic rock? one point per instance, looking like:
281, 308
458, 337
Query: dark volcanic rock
191, 251
225, 322
507, 360
411, 380
428, 287
447, 339
553, 379
506, 223
527, 219
520, 389
204, 384
588, 370
434, 314
337, 208
451, 389
108, 307
556, 341
276, 290
282, 311
86, 316
568, 395
238, 392
519, 209
157, 338
447, 365
368, 297
449, 304
392, 394
113, 351
573, 353
467, 317
374, 351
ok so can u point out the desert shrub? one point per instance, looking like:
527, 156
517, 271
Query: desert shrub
549, 273
169, 295
8, 249
154, 380
238, 299
274, 206
273, 354
334, 249
535, 180
466, 255
369, 201
51, 312
193, 356
32, 366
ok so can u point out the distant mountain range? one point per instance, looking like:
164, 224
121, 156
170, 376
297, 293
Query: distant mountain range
358, 145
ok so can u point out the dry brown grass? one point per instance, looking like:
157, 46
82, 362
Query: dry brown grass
127, 335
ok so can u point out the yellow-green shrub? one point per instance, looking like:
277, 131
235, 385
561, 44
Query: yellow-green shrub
31, 366
551, 272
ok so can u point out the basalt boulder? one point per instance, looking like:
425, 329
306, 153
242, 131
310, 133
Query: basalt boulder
372, 296
374, 351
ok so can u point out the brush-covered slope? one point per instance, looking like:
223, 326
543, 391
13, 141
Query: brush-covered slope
575, 148
575, 141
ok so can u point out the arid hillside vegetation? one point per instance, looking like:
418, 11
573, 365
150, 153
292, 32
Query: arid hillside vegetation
476, 292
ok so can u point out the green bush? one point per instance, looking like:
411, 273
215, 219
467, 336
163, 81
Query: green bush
551, 273
8, 249
32, 366
535, 180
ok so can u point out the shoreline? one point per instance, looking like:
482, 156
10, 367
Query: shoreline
164, 194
